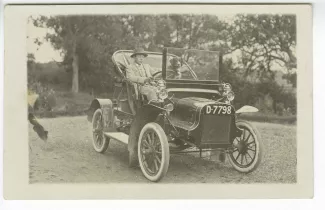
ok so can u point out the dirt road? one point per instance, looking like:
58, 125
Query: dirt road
68, 157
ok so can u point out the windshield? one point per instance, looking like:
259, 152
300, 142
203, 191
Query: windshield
154, 59
181, 64
188, 64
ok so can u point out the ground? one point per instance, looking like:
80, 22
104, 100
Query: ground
68, 157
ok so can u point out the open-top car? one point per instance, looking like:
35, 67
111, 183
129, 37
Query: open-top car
193, 113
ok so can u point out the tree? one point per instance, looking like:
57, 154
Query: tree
264, 41
69, 34
262, 44
292, 78
30, 61
30, 66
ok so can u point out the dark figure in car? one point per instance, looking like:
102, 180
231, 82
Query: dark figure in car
174, 67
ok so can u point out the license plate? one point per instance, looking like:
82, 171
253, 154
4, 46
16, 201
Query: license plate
218, 109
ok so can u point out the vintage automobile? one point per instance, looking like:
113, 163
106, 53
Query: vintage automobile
194, 113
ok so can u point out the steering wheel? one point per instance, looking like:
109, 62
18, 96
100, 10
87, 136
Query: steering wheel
167, 77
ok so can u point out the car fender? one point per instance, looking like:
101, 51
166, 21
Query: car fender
144, 115
246, 109
106, 105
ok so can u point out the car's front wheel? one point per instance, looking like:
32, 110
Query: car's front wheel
100, 141
247, 151
153, 152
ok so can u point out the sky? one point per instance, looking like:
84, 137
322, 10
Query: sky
45, 52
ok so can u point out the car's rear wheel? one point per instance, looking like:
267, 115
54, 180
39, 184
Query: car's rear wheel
247, 149
153, 152
100, 141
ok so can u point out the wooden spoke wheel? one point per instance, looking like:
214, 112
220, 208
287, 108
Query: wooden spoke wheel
153, 152
247, 149
100, 141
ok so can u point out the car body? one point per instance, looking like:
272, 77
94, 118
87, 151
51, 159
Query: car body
193, 110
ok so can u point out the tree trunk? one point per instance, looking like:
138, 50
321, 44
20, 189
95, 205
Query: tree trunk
190, 40
274, 106
177, 26
75, 70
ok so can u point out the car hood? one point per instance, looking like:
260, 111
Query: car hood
186, 113
193, 102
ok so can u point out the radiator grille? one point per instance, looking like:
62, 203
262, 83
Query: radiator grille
216, 129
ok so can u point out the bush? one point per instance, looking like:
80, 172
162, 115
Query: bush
43, 79
56, 80
46, 100
267, 95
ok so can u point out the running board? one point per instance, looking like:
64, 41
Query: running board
119, 136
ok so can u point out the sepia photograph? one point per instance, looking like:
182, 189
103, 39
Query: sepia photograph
143, 96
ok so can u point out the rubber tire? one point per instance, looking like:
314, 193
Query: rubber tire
165, 152
105, 145
259, 148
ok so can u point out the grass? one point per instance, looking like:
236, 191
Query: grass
69, 104
270, 118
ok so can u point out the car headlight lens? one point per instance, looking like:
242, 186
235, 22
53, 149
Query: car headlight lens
161, 84
169, 107
227, 92
163, 94
230, 95
161, 90
227, 87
